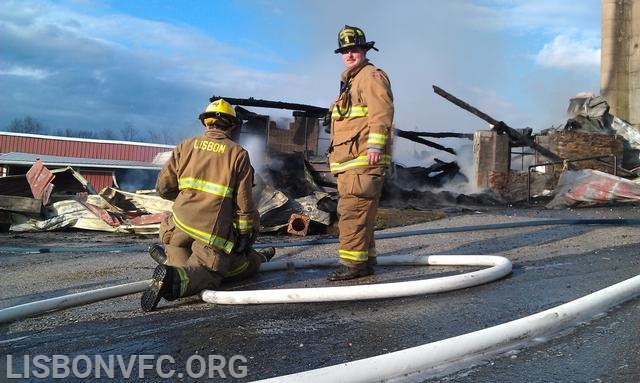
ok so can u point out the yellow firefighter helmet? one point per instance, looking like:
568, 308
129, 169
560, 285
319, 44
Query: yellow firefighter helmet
221, 114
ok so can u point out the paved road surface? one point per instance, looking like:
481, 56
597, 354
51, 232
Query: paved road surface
552, 265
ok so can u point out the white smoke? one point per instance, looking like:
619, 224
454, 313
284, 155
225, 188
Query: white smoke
255, 145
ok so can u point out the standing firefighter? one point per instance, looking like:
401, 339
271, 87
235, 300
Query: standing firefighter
214, 222
360, 152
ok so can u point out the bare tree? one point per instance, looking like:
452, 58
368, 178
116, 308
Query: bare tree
26, 125
108, 134
163, 136
91, 134
128, 132
66, 132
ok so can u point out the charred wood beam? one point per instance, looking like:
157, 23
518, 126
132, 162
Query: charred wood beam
499, 126
439, 135
312, 111
415, 138
245, 113
20, 204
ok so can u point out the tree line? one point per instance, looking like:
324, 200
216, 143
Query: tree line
128, 132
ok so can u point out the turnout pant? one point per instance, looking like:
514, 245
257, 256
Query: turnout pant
200, 266
358, 198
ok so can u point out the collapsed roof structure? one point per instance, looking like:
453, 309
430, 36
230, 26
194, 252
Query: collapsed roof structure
294, 189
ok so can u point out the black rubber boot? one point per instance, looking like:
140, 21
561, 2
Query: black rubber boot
371, 262
350, 272
161, 287
267, 253
157, 253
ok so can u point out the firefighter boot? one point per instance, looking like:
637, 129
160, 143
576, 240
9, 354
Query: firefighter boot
161, 287
371, 262
354, 270
267, 253
157, 253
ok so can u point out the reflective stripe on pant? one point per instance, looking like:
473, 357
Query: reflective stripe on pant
177, 244
359, 195
208, 268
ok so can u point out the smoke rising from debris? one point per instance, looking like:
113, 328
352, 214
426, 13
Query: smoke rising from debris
255, 145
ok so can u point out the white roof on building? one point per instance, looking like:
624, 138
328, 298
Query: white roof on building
61, 138
28, 159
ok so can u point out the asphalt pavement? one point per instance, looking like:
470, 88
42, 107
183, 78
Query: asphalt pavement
552, 265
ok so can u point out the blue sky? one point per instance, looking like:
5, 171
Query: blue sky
99, 64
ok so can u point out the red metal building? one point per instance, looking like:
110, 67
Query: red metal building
103, 163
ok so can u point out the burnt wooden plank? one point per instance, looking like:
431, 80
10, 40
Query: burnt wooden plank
20, 204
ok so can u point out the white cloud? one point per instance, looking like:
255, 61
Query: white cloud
33, 73
546, 16
94, 61
568, 53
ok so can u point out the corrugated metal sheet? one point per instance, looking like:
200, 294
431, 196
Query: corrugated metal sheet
77, 147
40, 178
99, 180
27, 159
66, 180
96, 160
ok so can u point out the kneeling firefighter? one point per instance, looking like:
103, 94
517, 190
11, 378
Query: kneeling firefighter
208, 236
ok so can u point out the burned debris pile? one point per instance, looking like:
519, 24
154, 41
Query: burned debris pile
62, 198
603, 148
435, 176
44, 200
593, 159
285, 188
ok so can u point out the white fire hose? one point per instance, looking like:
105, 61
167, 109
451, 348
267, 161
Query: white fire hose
13, 313
429, 360
500, 267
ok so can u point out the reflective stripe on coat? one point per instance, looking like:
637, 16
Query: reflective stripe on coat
210, 179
